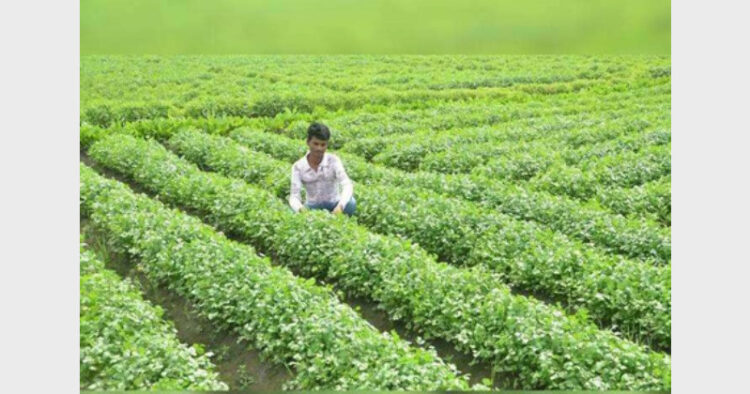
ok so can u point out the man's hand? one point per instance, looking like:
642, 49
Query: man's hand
337, 210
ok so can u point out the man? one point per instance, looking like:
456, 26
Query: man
321, 173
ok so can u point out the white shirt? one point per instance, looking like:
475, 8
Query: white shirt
320, 185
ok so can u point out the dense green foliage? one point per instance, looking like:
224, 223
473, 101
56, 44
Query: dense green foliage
125, 343
293, 321
125, 89
649, 199
623, 169
406, 151
632, 296
629, 237
542, 346
516, 207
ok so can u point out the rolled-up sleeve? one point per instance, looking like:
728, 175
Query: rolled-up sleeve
295, 194
347, 186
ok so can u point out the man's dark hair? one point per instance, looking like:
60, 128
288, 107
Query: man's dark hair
319, 131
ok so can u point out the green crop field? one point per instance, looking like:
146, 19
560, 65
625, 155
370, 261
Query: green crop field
513, 224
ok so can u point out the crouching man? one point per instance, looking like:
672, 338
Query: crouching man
321, 173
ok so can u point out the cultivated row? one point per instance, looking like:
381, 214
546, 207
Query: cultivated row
203, 87
651, 199
521, 160
544, 348
291, 320
628, 237
379, 121
626, 169
125, 343
632, 296
549, 124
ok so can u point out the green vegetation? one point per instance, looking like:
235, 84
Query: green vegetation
126, 344
629, 237
514, 209
469, 307
632, 296
293, 321
126, 88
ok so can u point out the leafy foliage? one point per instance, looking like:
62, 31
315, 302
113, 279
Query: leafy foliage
631, 237
623, 169
407, 151
125, 342
632, 296
650, 200
542, 346
291, 320
550, 174
116, 90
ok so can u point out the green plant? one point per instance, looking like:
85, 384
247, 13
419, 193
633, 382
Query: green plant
291, 320
630, 295
125, 343
542, 346
244, 379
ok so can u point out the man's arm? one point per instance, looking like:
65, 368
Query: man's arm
347, 186
295, 194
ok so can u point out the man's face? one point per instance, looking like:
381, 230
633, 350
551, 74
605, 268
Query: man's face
317, 146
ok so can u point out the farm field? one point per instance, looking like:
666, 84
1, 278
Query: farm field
513, 224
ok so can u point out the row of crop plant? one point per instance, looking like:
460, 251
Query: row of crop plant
633, 296
651, 199
124, 342
189, 78
379, 121
197, 93
469, 307
520, 160
115, 112
624, 169
291, 320
554, 126
627, 236
520, 153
